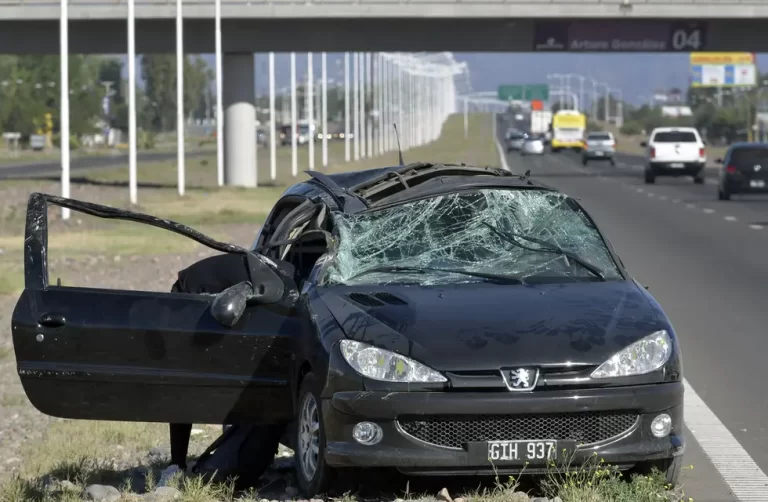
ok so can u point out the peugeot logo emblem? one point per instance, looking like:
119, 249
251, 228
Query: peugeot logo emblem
520, 379
758, 167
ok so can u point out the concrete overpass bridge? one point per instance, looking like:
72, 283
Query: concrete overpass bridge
30, 26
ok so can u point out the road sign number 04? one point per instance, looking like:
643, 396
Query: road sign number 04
683, 40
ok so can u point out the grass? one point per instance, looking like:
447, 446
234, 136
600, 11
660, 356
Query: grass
79, 455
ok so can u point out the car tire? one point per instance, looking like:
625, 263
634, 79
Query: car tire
584, 161
723, 194
699, 178
309, 416
613, 163
650, 178
671, 468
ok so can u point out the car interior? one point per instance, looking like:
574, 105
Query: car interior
298, 231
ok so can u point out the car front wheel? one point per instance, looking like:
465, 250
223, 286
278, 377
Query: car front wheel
699, 178
312, 473
723, 194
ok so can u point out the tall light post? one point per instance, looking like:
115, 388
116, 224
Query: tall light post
180, 95
346, 108
294, 125
272, 120
356, 99
64, 112
132, 181
219, 97
324, 77
311, 116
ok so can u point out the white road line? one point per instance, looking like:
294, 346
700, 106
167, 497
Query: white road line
640, 190
756, 227
691, 206
651, 194
742, 474
730, 218
502, 155
662, 197
676, 201
708, 210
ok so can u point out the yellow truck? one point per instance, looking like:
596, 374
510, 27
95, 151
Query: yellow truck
568, 128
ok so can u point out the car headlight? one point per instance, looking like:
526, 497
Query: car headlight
644, 356
386, 366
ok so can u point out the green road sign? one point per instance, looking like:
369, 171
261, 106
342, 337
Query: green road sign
527, 92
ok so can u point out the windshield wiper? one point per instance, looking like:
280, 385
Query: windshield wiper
548, 248
503, 279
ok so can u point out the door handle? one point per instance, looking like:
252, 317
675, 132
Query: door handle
52, 320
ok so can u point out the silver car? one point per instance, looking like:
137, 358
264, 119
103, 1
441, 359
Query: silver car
599, 146
515, 141
533, 145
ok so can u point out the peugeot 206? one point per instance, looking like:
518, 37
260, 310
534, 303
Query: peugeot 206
434, 318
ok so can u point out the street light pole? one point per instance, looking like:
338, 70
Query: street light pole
64, 111
324, 77
219, 97
132, 182
294, 119
272, 127
311, 116
356, 102
346, 108
180, 95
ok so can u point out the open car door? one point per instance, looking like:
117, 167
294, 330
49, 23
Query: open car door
106, 354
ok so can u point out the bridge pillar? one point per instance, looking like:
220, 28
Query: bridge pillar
239, 102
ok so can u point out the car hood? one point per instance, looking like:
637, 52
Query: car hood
484, 326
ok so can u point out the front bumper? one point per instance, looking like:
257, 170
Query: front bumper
413, 456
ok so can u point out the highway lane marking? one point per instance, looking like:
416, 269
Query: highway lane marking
708, 210
741, 473
756, 227
690, 206
650, 194
676, 201
662, 197
730, 218
640, 190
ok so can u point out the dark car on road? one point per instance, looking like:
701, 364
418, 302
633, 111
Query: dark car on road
434, 318
744, 170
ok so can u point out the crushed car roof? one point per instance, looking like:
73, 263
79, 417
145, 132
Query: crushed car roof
360, 190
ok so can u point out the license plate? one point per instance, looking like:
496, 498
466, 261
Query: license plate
677, 164
521, 451
599, 154
757, 183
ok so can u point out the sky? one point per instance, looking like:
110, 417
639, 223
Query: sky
638, 75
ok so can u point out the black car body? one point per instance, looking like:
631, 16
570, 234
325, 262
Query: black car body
744, 170
432, 318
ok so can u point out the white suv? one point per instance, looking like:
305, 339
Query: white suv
675, 151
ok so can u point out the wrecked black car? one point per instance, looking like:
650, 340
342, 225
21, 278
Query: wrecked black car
439, 319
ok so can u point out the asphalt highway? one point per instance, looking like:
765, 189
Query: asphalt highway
706, 262
48, 168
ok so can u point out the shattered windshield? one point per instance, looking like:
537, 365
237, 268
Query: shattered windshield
430, 241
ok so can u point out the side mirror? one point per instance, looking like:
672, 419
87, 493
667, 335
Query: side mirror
229, 305
644, 144
718, 161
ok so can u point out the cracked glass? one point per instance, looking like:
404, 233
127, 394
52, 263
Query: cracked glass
469, 232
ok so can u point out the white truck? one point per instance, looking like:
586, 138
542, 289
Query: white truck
675, 151
540, 121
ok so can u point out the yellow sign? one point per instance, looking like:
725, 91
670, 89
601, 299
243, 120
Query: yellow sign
720, 58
